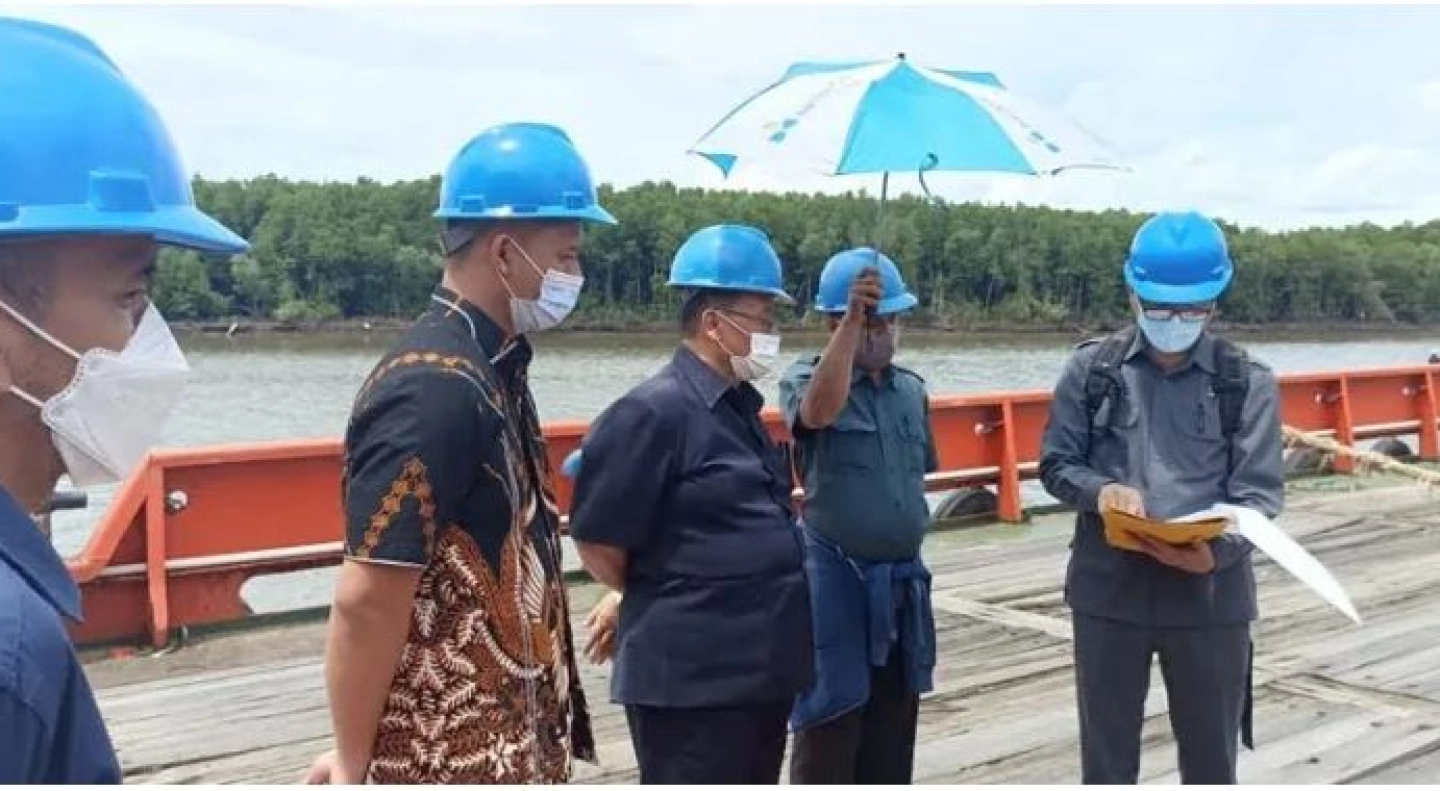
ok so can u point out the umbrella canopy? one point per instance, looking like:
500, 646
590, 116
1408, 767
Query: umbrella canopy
894, 116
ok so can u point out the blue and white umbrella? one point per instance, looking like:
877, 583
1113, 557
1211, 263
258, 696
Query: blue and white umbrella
895, 117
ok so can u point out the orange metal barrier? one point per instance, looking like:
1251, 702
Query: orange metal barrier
185, 533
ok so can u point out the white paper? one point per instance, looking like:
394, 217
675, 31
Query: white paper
1270, 539
1216, 512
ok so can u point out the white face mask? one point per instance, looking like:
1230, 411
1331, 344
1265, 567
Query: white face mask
559, 292
1171, 336
760, 362
110, 415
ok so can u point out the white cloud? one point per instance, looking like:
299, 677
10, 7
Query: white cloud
1280, 117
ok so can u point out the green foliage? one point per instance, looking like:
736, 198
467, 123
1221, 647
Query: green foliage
367, 249
183, 288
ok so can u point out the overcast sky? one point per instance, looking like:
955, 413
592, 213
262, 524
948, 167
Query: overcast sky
1279, 117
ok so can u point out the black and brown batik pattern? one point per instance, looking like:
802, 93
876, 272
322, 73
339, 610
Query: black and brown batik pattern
446, 471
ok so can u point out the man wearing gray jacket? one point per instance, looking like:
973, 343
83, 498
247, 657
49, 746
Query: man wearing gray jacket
1161, 420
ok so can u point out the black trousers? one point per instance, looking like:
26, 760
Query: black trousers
1206, 672
732, 745
874, 744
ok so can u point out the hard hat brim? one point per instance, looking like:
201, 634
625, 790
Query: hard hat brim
886, 307
598, 214
898, 304
181, 226
594, 213
779, 295
196, 230
1170, 294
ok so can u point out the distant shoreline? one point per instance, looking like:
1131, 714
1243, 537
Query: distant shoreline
383, 326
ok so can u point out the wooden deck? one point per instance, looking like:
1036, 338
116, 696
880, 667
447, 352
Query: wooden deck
1335, 702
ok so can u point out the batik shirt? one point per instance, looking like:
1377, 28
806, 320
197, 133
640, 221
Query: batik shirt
446, 471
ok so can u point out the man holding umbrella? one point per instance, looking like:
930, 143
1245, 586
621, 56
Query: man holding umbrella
862, 437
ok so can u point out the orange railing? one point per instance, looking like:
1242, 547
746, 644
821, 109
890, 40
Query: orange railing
186, 532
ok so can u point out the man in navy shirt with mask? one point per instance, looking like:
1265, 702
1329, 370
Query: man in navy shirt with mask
683, 504
90, 187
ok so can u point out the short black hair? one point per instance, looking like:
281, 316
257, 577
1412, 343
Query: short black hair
26, 277
700, 300
456, 235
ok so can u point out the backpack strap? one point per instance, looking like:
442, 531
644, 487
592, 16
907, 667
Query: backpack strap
1103, 380
1231, 384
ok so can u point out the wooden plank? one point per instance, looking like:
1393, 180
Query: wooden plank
1352, 754
1335, 703
1044, 624
1417, 766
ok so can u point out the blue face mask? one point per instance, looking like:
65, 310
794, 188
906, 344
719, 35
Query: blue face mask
1172, 335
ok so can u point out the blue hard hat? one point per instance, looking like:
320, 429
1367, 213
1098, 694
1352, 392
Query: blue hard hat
729, 258
833, 295
522, 171
571, 466
82, 151
1179, 258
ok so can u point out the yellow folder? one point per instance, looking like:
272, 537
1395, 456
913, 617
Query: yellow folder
1119, 528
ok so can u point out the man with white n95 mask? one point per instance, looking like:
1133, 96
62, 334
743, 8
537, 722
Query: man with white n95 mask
90, 187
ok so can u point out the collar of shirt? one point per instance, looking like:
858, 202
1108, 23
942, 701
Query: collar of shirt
710, 385
31, 554
1202, 355
507, 355
887, 376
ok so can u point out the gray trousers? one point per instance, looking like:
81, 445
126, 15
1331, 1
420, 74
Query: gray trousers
1207, 676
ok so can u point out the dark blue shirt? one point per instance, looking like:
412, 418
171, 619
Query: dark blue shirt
681, 474
50, 727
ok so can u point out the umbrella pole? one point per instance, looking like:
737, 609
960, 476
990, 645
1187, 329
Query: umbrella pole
875, 236
880, 214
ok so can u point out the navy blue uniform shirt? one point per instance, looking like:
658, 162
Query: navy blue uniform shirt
50, 728
681, 474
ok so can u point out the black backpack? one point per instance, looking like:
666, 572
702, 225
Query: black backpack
1231, 381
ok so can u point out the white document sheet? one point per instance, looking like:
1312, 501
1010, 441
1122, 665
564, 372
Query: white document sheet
1270, 539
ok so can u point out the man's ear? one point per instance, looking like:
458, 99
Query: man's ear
495, 247
709, 322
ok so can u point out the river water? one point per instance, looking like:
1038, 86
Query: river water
268, 387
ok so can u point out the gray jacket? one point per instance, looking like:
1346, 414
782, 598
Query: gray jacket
1165, 440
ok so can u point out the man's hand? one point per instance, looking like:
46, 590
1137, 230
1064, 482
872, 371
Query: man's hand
1194, 558
602, 625
864, 296
829, 386
1118, 497
327, 770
